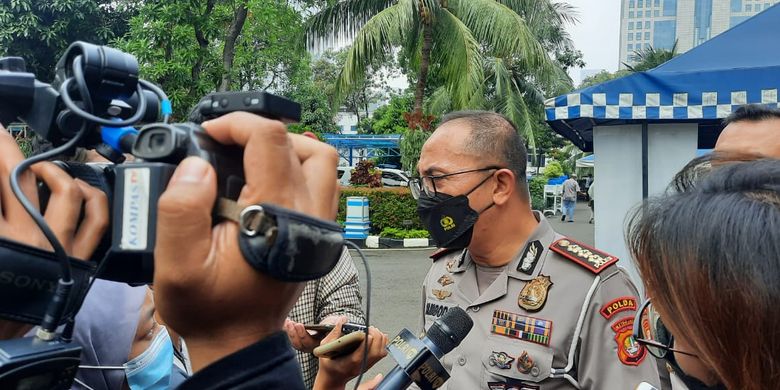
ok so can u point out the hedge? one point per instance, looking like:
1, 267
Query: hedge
387, 207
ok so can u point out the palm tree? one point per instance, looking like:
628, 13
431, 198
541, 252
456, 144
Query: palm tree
454, 36
650, 57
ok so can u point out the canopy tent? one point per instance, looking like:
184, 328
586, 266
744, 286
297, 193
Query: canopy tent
373, 145
702, 86
589, 160
646, 126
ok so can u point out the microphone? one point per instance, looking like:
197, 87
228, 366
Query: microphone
418, 360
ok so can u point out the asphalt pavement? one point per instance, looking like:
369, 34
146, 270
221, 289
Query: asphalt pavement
397, 275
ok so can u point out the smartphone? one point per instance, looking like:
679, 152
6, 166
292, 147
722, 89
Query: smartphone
322, 330
343, 345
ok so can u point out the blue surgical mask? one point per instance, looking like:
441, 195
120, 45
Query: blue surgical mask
151, 370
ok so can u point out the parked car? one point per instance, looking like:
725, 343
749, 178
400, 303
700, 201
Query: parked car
390, 177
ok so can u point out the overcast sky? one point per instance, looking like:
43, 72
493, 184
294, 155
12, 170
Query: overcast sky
597, 34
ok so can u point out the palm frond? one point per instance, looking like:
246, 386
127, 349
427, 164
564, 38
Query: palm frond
343, 19
459, 57
440, 102
509, 100
504, 32
377, 36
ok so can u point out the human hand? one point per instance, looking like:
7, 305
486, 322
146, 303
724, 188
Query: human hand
299, 336
204, 288
334, 373
62, 213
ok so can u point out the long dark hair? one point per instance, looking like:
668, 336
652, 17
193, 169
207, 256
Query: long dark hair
710, 258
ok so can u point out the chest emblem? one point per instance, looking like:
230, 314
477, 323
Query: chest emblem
534, 294
440, 294
501, 360
529, 258
445, 280
525, 364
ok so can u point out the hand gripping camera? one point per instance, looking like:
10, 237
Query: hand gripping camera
95, 102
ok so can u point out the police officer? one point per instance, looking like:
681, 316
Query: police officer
549, 312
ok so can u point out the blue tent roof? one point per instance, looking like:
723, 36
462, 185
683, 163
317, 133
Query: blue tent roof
704, 85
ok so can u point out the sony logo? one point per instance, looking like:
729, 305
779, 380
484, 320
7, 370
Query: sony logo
26, 282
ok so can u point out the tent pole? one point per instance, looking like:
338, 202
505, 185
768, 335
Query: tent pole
644, 160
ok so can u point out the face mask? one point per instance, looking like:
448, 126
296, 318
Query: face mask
690, 382
449, 219
151, 370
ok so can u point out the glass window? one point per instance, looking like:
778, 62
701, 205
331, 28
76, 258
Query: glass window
657, 3
736, 5
631, 4
647, 3
630, 25
647, 46
630, 14
638, 36
630, 47
670, 7
766, 5
758, 8
664, 34
656, 13
749, 8
639, 4
647, 35
630, 37
647, 25
647, 14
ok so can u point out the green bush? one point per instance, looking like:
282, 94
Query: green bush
553, 169
403, 233
536, 187
388, 207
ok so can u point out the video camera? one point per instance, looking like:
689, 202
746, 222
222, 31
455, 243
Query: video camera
94, 102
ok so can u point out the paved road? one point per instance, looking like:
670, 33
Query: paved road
396, 277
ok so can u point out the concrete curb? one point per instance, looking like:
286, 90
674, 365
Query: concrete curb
376, 242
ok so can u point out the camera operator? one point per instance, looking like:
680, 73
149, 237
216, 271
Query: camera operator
65, 205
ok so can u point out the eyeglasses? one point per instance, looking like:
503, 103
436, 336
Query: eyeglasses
651, 332
427, 184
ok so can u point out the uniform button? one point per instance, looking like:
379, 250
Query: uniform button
535, 371
462, 361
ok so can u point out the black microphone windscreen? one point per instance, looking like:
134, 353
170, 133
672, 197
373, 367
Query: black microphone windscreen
450, 329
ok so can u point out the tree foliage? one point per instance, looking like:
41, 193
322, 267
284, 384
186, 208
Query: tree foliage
411, 144
602, 77
193, 48
40, 31
389, 119
650, 57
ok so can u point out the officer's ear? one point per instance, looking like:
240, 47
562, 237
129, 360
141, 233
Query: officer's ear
505, 186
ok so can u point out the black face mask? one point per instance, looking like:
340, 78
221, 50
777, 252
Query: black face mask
690, 382
449, 219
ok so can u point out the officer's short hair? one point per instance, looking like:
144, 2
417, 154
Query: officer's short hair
752, 113
495, 136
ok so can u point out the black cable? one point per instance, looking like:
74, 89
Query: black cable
71, 105
81, 83
160, 94
364, 363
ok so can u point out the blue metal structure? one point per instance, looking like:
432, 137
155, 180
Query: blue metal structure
703, 86
346, 144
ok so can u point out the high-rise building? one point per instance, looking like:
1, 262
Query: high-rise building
659, 23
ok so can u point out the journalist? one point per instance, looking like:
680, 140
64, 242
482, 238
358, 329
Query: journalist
709, 258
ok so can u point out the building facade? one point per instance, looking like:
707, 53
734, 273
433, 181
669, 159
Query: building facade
659, 23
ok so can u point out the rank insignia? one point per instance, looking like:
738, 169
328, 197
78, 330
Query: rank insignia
534, 294
451, 265
629, 351
440, 294
501, 360
522, 327
445, 280
592, 259
618, 305
529, 258
525, 364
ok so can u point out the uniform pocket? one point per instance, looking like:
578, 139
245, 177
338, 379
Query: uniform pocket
506, 359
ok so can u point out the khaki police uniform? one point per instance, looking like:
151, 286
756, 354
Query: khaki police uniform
559, 317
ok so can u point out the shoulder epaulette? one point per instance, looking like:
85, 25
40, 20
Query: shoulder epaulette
591, 258
441, 252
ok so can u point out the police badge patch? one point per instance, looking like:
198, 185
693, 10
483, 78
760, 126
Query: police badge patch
629, 351
501, 360
534, 294
529, 258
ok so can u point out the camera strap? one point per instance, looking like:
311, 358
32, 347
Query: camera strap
283, 243
28, 279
